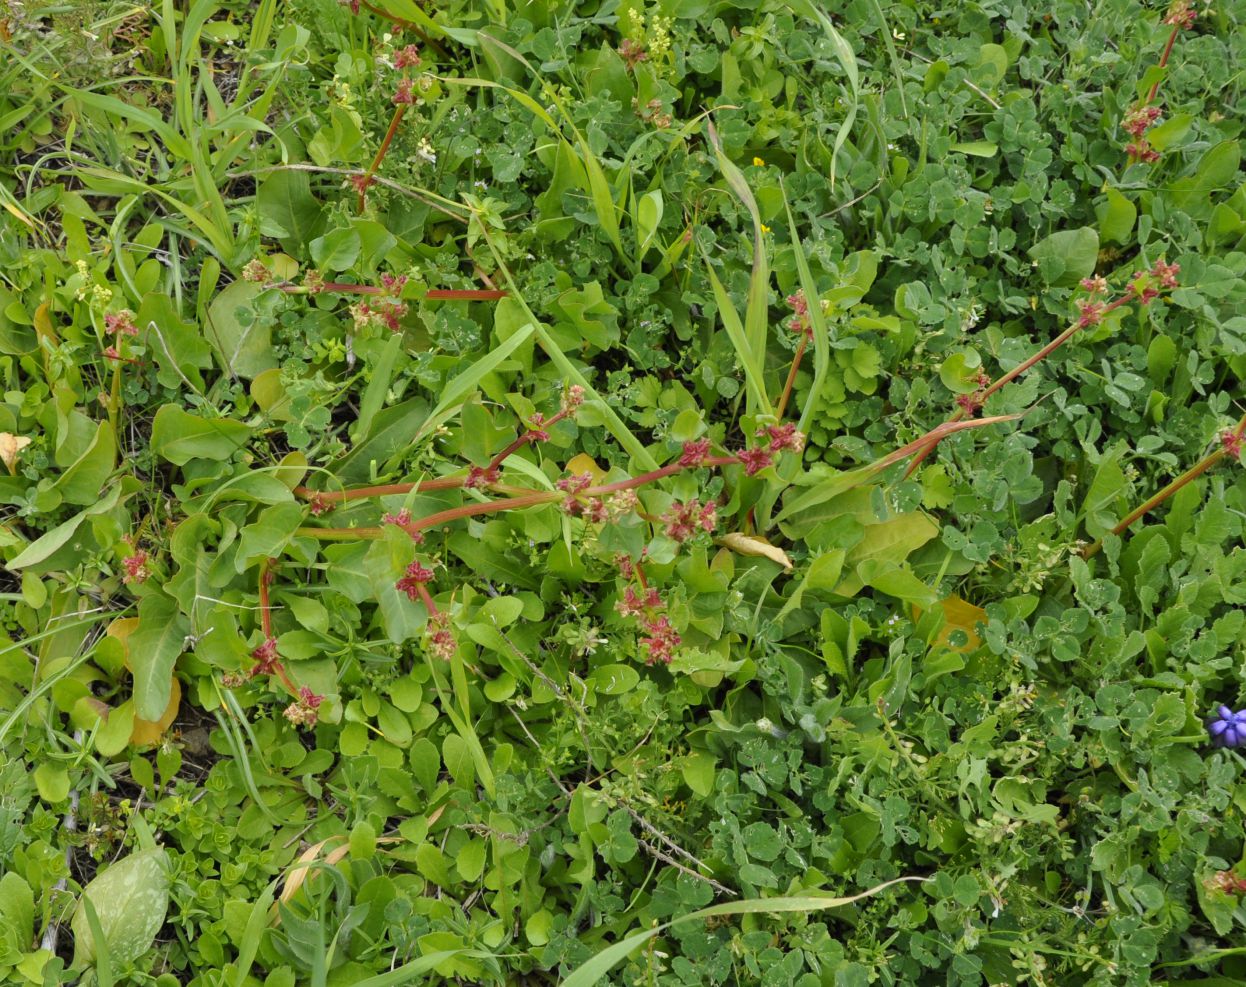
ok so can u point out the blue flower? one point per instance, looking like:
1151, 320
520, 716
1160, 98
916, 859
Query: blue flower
1228, 729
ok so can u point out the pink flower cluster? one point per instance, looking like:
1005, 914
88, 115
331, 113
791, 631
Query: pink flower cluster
1181, 14
661, 638
266, 658
1137, 122
305, 710
121, 323
413, 582
386, 312
799, 322
683, 520
481, 476
136, 570
781, 438
440, 638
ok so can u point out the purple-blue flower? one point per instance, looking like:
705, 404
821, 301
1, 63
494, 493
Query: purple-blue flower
1228, 729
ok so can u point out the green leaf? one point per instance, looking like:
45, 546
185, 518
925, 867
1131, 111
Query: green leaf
1064, 258
337, 250
268, 535
242, 347
179, 436
130, 898
52, 780
1116, 215
17, 918
289, 211
154, 648
592, 971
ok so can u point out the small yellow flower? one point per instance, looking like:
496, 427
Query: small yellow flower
758, 163
765, 228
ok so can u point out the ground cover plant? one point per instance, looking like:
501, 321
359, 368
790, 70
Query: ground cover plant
678, 492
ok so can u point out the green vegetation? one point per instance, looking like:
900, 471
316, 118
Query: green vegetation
655, 492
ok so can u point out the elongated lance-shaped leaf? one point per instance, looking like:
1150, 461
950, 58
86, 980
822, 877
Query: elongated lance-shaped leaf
848, 61
756, 312
610, 957
750, 360
817, 320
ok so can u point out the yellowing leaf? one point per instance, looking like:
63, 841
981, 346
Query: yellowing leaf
752, 545
584, 463
958, 615
147, 732
10, 446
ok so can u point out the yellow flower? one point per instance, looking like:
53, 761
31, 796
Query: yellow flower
765, 228
758, 163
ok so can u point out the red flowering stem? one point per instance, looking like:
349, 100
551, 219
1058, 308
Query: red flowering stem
524, 439
406, 26
645, 478
266, 623
530, 499
1193, 473
381, 490
1013, 374
791, 376
399, 110
1163, 62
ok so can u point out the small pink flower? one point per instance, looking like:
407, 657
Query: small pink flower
627, 568
440, 638
402, 518
694, 453
405, 94
1139, 119
407, 57
572, 398
319, 504
1166, 274
111, 353
596, 511
136, 570
266, 658
1095, 285
256, 272
754, 460
1140, 150
481, 476
121, 323
305, 710
1232, 443
970, 404
1142, 288
392, 284
783, 437
661, 642
1181, 14
412, 583
575, 482
1089, 314
683, 520
535, 432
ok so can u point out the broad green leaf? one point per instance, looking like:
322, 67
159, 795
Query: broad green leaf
154, 648
888, 541
179, 436
289, 211
1116, 215
243, 344
130, 899
1065, 257
17, 918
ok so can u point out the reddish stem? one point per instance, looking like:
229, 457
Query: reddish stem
1163, 62
266, 623
791, 376
406, 26
1193, 473
399, 110
1013, 374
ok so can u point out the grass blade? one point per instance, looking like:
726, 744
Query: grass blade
610, 957
848, 61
